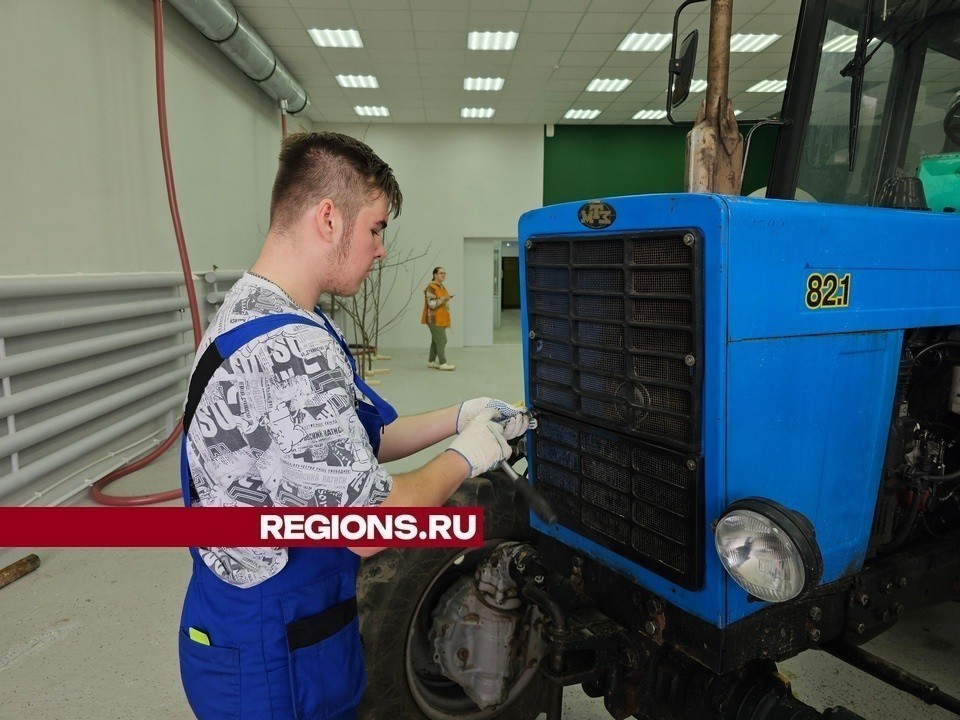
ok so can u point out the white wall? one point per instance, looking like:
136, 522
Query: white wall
81, 187
81, 177
458, 181
477, 313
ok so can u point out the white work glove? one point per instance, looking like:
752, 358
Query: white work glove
515, 421
482, 443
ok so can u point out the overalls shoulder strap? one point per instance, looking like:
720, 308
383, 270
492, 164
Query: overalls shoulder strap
226, 345
379, 410
373, 415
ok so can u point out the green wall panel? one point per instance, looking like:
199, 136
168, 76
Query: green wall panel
583, 162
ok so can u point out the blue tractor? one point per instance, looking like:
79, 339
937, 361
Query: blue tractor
748, 439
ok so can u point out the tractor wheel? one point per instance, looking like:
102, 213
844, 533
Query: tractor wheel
397, 591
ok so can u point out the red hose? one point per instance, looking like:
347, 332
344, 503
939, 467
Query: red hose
96, 490
168, 171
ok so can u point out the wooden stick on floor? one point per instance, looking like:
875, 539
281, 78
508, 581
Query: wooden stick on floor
18, 569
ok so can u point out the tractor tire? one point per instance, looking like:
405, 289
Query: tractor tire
397, 590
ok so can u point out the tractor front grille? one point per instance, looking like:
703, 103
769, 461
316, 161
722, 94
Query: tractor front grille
616, 333
616, 371
641, 501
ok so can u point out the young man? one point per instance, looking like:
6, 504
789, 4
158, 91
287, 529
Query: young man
276, 415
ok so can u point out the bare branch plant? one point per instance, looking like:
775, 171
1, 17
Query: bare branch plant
396, 279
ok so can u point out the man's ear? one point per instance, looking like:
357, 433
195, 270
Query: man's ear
327, 220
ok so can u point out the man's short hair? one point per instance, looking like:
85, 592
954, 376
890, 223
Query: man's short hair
314, 166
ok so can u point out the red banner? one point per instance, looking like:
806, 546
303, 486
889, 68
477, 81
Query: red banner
240, 527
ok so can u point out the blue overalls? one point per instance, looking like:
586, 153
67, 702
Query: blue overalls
290, 646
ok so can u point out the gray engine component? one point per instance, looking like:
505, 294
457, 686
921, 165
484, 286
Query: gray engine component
483, 636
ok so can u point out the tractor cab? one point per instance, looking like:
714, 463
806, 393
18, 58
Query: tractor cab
872, 107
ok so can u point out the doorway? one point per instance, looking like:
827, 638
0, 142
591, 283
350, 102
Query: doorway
483, 283
509, 330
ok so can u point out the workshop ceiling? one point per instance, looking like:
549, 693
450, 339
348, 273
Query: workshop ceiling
417, 51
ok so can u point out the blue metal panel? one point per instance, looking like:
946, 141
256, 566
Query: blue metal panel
810, 391
904, 267
796, 401
807, 424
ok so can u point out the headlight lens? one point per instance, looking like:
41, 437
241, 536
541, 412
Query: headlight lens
760, 555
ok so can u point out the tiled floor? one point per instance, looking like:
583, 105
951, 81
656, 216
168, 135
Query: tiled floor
91, 635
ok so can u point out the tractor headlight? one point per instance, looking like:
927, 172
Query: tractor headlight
770, 551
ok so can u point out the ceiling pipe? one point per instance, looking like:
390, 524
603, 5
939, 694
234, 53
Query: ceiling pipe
221, 23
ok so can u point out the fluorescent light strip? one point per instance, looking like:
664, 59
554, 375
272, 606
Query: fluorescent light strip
607, 85
751, 43
371, 110
844, 43
476, 112
650, 115
645, 42
479, 83
579, 114
357, 81
492, 40
841, 43
335, 38
738, 112
768, 86
698, 86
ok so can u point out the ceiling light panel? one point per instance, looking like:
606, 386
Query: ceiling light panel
698, 86
357, 81
768, 86
481, 83
607, 85
751, 43
645, 42
580, 114
476, 112
336, 38
650, 115
371, 111
492, 40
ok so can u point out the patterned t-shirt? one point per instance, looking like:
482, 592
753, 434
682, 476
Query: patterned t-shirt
277, 426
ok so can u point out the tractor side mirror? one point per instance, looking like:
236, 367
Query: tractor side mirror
681, 69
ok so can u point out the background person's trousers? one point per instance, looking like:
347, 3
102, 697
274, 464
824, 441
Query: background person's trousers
438, 343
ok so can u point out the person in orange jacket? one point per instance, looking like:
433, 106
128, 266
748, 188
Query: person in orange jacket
436, 316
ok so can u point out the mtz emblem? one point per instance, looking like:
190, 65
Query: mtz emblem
596, 215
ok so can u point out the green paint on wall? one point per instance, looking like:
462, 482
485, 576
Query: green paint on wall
583, 162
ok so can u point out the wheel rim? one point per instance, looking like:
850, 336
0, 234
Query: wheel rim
439, 697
